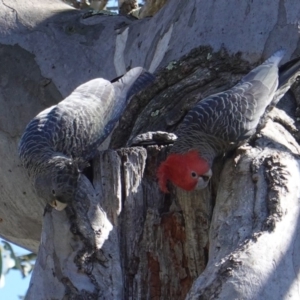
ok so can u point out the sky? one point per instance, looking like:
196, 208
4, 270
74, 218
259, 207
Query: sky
15, 285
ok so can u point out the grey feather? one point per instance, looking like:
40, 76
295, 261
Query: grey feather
225, 120
59, 141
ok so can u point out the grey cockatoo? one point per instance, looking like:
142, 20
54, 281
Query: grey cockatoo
224, 121
58, 143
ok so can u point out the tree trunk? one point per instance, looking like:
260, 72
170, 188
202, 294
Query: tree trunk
124, 239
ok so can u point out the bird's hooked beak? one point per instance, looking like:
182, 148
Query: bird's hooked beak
203, 180
58, 205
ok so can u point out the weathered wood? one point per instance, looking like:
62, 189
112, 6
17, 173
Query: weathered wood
126, 6
149, 9
153, 245
165, 237
253, 236
156, 245
58, 50
142, 236
78, 253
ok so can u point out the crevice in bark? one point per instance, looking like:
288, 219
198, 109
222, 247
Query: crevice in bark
276, 178
177, 88
161, 240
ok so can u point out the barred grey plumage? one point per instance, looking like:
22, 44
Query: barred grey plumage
59, 141
223, 121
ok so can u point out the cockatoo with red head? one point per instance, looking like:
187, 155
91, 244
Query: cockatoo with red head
224, 121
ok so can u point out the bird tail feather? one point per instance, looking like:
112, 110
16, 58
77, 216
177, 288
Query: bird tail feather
267, 72
134, 81
288, 71
288, 74
275, 58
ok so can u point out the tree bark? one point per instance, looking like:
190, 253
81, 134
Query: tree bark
124, 239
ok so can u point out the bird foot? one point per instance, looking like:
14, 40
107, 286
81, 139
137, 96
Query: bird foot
153, 138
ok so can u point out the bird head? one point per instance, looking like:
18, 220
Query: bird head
58, 184
188, 171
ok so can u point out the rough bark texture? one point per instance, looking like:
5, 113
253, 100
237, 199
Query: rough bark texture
125, 240
126, 6
149, 9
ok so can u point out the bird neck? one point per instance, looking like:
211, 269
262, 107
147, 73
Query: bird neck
47, 160
205, 150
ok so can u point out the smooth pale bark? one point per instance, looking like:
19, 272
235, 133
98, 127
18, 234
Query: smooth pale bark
127, 240
254, 237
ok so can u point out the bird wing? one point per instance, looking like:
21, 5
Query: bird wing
233, 115
228, 118
125, 87
76, 126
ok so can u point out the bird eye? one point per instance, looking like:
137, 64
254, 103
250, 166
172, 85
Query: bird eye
194, 174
